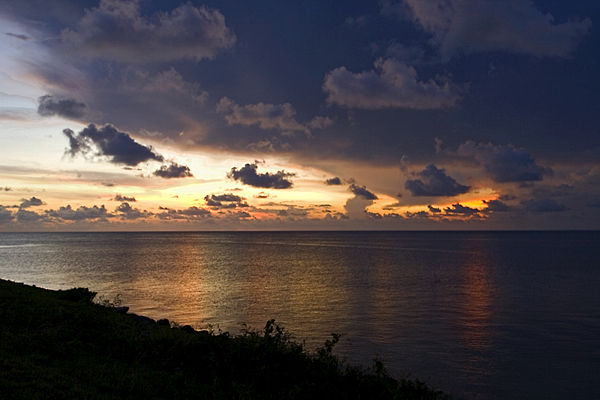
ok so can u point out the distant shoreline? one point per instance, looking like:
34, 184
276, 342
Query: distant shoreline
325, 231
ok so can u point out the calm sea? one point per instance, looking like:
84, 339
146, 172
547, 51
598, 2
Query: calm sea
504, 315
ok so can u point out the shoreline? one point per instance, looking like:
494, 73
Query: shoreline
60, 342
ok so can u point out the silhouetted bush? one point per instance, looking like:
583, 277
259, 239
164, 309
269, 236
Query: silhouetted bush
76, 294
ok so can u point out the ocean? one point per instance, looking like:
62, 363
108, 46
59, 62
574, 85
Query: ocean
479, 315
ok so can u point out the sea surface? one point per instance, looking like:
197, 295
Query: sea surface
480, 315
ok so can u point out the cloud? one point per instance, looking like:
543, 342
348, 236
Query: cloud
333, 181
165, 83
393, 84
291, 212
543, 205
82, 213
240, 215
122, 198
125, 211
248, 176
6, 215
190, 213
5, 189
459, 209
25, 216
226, 200
32, 202
49, 105
547, 191
504, 163
173, 171
116, 31
17, 35
107, 141
515, 26
265, 116
434, 182
320, 122
194, 212
433, 209
356, 207
408, 54
417, 215
361, 191
496, 206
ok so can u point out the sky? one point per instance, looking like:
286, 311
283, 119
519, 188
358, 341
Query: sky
305, 115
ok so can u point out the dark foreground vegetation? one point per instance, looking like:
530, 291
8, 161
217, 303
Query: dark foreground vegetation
62, 345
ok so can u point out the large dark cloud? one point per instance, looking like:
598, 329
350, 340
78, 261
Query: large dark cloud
226, 200
434, 182
173, 171
107, 141
116, 30
543, 205
80, 214
516, 26
157, 97
49, 105
362, 192
248, 176
31, 202
504, 163
392, 85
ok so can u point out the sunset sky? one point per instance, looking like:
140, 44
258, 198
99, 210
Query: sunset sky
231, 115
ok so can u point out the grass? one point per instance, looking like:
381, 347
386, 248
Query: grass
62, 345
